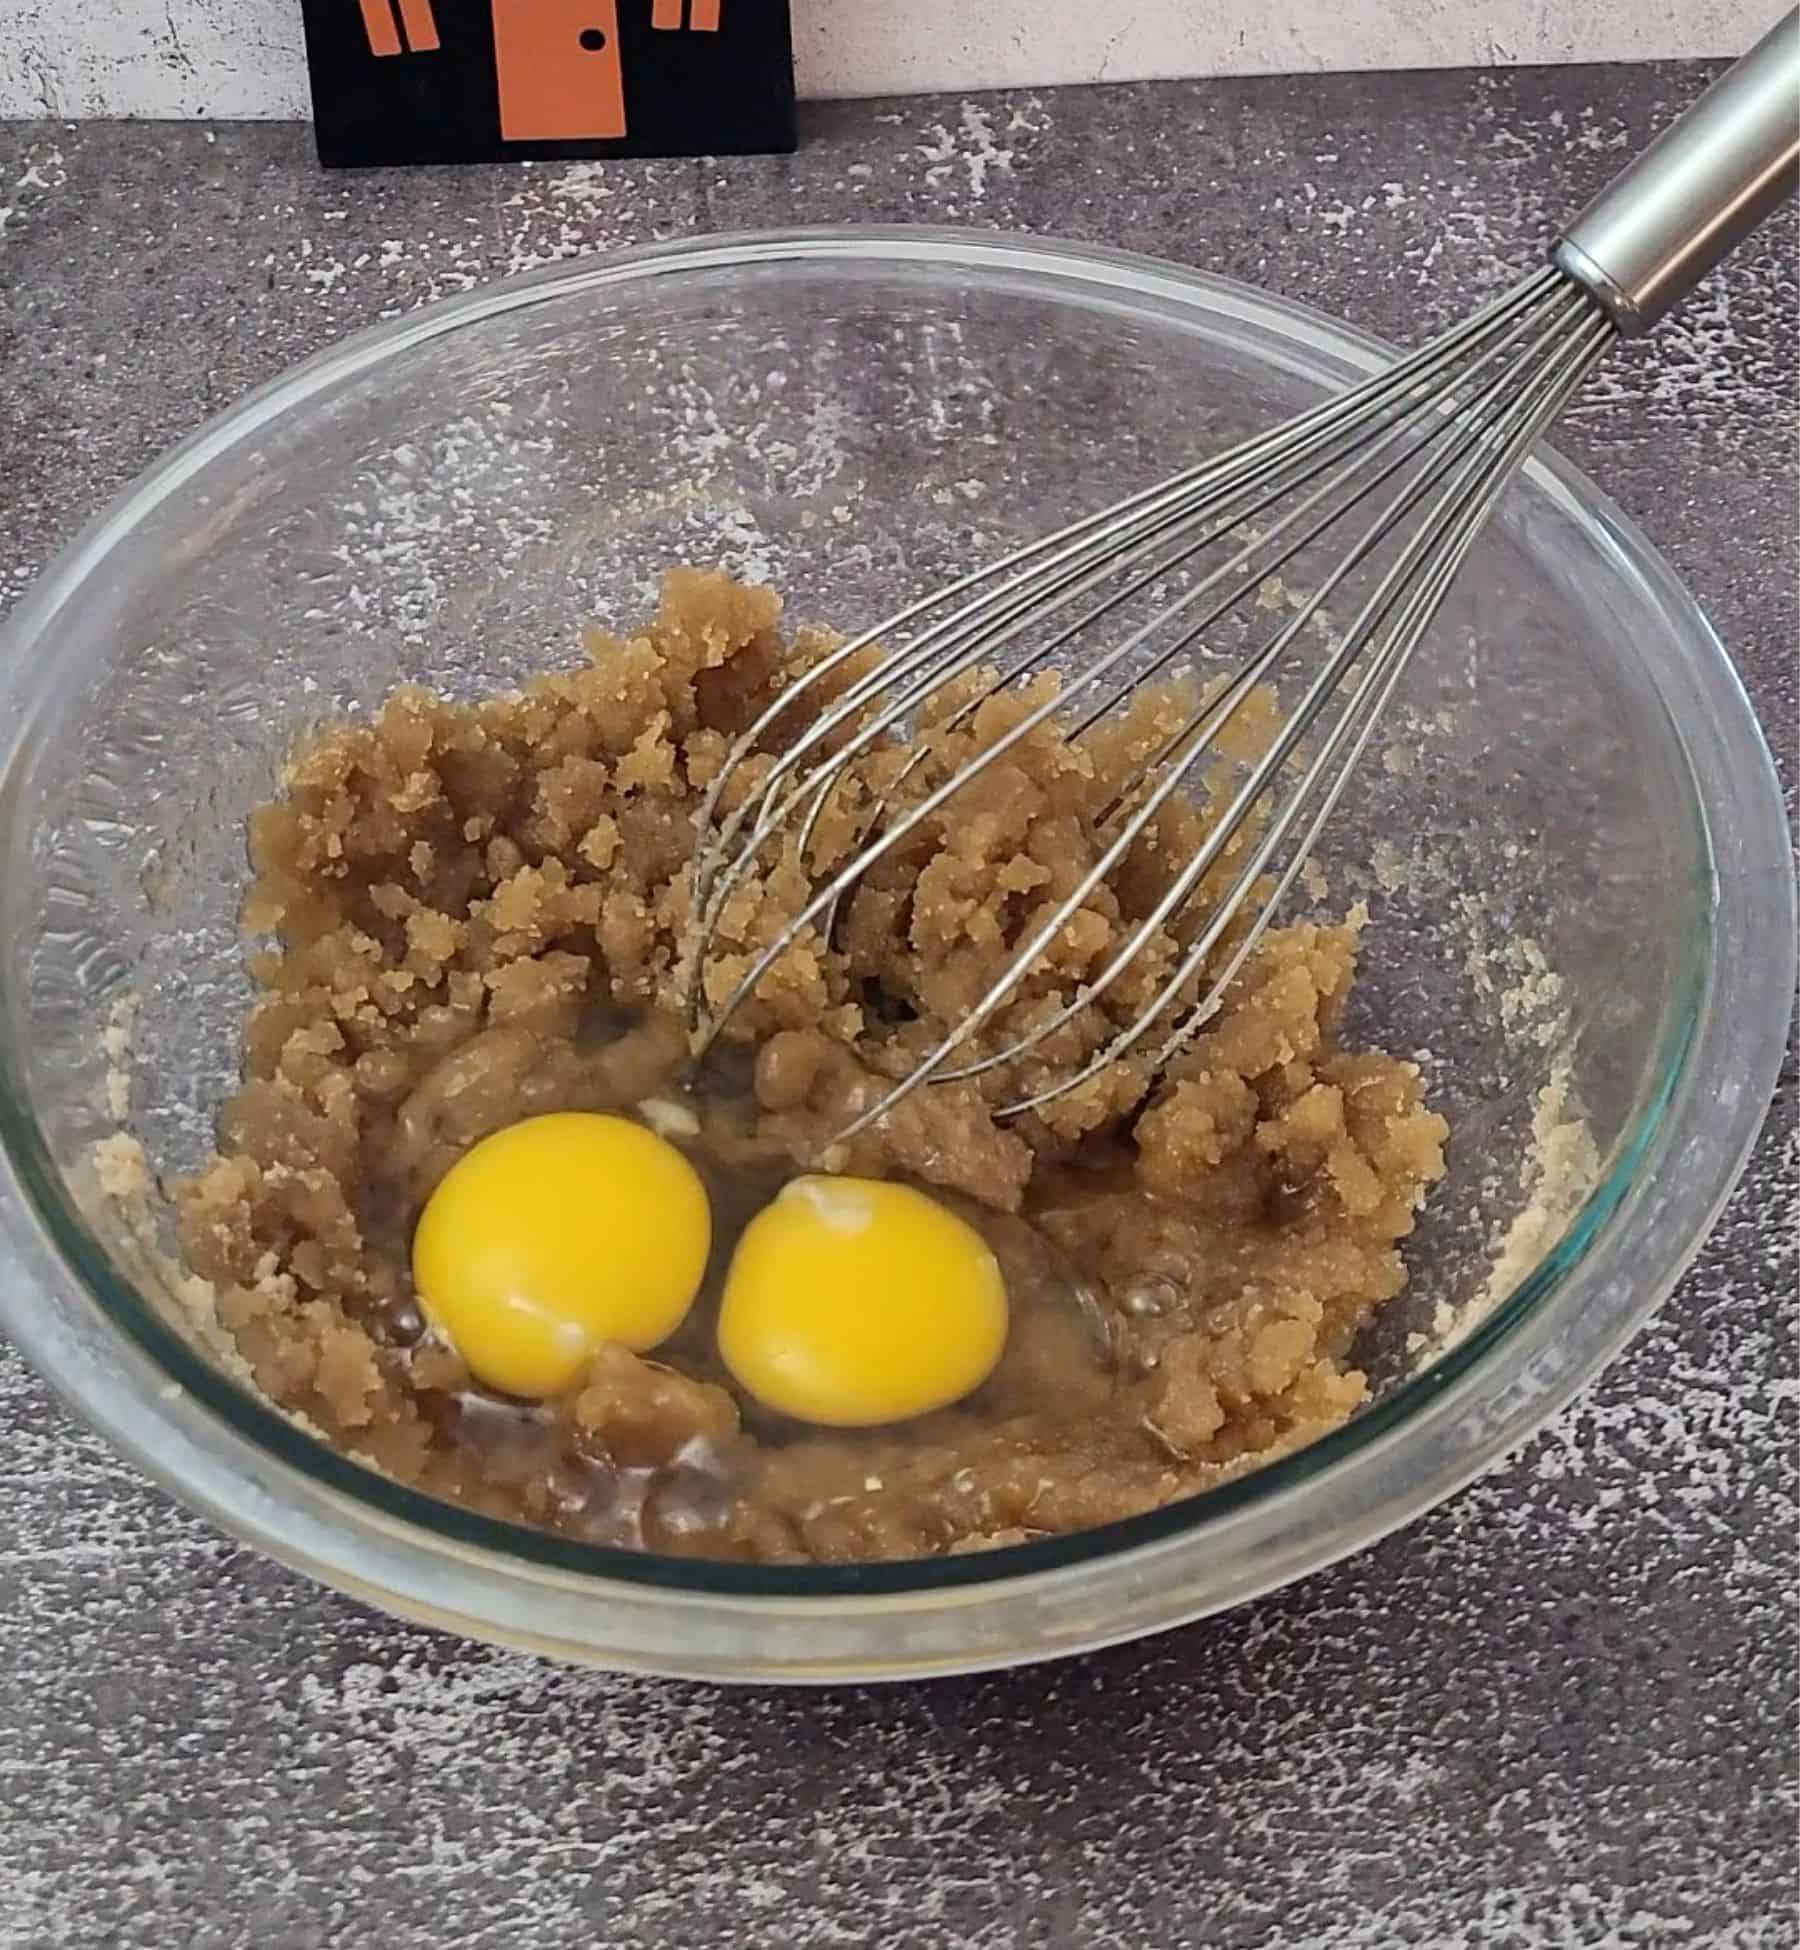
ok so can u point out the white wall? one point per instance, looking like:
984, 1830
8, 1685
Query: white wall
229, 58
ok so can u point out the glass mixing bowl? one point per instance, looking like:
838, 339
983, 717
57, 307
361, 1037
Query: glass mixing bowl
1573, 850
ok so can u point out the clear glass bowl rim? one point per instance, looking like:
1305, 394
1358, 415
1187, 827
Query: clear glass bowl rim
270, 1483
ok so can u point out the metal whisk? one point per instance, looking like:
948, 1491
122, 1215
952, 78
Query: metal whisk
1405, 468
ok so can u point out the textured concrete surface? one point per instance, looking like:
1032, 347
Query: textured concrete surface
1555, 1715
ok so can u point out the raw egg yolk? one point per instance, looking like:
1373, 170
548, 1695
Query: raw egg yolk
850, 1302
554, 1235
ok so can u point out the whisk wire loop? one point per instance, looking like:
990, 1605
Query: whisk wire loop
1410, 592
1407, 466
1037, 580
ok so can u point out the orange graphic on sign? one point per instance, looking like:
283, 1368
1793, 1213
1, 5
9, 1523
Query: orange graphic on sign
416, 19
702, 15
561, 79
378, 24
560, 76
421, 29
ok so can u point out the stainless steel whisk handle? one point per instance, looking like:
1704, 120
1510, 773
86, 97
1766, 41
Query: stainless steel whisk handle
1708, 180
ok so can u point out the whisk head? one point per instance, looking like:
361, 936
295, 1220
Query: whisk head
874, 748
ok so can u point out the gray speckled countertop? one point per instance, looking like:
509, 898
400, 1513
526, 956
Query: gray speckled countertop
1555, 1715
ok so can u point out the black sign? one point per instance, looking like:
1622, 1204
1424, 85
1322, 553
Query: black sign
436, 81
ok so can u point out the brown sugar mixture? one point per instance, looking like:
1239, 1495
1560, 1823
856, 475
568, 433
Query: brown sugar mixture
480, 913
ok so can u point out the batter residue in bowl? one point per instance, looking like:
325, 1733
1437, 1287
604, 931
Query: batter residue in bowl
478, 912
